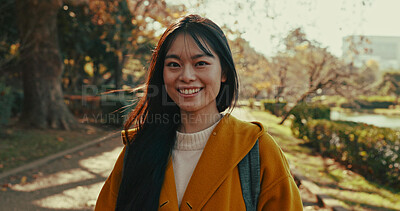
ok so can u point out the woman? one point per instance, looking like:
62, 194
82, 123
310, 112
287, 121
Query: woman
182, 153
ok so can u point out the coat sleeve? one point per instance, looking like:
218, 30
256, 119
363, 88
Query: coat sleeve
108, 195
278, 189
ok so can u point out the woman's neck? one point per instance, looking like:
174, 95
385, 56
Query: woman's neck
193, 122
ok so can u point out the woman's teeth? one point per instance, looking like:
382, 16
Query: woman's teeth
189, 91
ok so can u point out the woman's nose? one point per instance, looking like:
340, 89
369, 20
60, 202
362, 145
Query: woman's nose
187, 74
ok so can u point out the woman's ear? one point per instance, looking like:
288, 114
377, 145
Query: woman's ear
223, 76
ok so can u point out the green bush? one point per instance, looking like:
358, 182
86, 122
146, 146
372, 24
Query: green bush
372, 151
304, 112
374, 104
371, 102
301, 111
6, 103
311, 111
276, 108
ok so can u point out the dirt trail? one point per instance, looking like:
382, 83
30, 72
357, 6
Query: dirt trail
68, 183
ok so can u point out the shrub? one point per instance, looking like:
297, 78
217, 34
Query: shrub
371, 102
304, 112
311, 111
276, 108
374, 104
301, 111
372, 151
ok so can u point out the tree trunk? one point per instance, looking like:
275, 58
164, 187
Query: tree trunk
41, 66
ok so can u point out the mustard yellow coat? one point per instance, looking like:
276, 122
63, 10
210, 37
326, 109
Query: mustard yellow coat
215, 183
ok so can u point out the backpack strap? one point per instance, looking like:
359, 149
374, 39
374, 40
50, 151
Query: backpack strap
249, 173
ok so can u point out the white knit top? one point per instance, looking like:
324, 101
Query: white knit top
186, 154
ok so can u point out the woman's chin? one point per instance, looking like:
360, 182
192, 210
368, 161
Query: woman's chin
189, 108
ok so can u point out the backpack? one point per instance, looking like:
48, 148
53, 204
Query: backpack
249, 173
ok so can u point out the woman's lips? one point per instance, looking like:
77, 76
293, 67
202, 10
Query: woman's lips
189, 92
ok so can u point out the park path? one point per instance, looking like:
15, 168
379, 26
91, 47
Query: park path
72, 182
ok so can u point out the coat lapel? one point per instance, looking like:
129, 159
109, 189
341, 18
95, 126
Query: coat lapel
168, 196
223, 151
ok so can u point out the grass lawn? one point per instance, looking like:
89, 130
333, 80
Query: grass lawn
353, 190
21, 146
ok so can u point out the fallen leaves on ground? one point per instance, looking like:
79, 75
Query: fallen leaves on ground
37, 175
5, 186
23, 180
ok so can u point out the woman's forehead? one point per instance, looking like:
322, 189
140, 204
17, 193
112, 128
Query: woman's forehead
185, 44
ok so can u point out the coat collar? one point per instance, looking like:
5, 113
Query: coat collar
229, 142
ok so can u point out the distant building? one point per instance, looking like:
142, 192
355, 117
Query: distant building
384, 50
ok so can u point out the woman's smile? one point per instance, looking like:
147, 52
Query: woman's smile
189, 92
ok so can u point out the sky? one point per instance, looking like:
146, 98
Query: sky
327, 21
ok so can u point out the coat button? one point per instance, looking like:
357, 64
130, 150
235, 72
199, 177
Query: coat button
214, 133
190, 206
164, 204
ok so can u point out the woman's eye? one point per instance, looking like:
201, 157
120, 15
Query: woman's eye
201, 63
173, 64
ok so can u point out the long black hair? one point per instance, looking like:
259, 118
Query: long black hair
156, 117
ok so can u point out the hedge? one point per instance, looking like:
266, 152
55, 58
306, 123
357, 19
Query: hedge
311, 111
276, 108
300, 111
368, 105
371, 102
372, 151
303, 113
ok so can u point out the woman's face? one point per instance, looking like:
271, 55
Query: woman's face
192, 78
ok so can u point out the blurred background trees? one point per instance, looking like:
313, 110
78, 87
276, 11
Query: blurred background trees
56, 52
390, 85
58, 48
253, 68
41, 65
58, 57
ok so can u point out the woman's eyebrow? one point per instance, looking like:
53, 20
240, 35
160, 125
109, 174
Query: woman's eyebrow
174, 56
202, 55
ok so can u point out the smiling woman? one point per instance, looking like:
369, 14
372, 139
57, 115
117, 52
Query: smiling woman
181, 152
